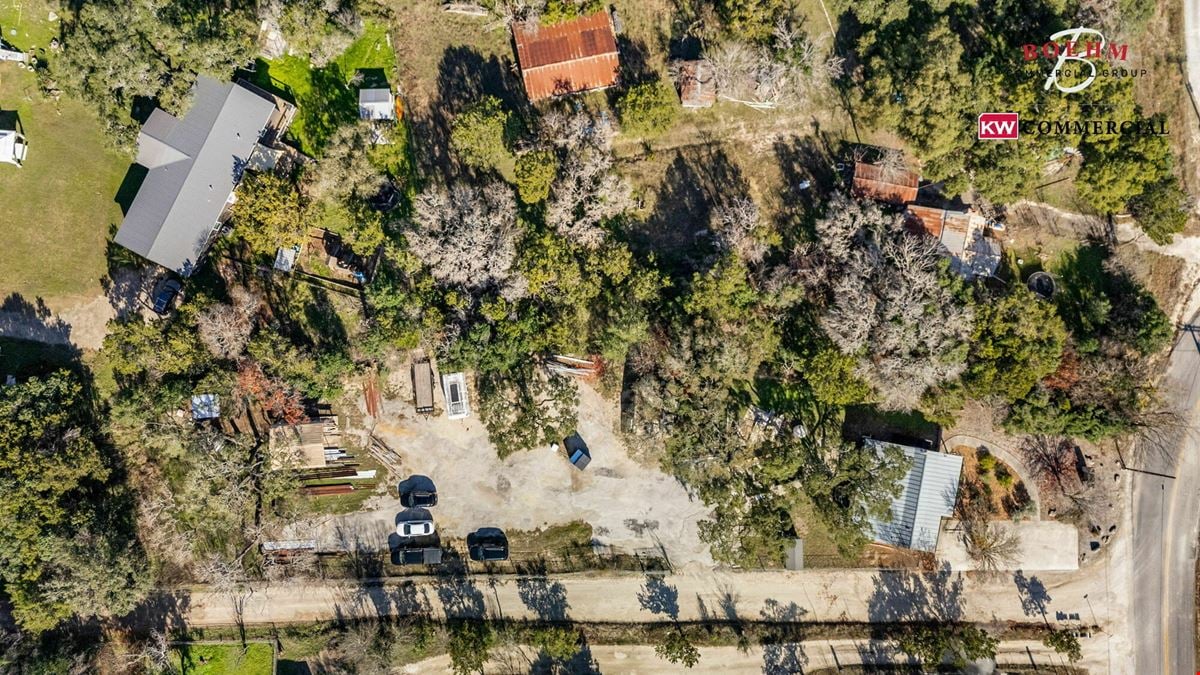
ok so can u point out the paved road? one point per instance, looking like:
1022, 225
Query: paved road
1166, 517
782, 658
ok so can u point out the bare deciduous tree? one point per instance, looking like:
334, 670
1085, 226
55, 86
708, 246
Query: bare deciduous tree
346, 168
735, 225
588, 191
991, 546
522, 13
467, 235
787, 73
1052, 461
885, 301
225, 329
891, 162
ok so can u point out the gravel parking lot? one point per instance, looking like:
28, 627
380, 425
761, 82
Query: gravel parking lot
628, 505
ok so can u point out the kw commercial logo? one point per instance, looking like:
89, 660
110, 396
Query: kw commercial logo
1075, 59
999, 126
1009, 127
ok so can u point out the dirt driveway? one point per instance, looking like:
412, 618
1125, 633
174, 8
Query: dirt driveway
628, 505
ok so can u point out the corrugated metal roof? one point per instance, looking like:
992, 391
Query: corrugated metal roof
569, 57
963, 234
195, 163
928, 492
897, 187
927, 218
697, 84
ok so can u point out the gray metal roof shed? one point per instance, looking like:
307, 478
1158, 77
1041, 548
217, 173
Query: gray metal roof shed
194, 165
928, 492
376, 104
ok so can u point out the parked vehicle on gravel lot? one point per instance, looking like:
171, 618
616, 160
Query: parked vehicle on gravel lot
419, 498
415, 528
428, 555
165, 296
487, 544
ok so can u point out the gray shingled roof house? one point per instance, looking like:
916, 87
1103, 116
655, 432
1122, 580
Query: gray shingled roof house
194, 165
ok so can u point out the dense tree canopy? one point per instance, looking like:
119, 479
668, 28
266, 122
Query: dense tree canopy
118, 52
648, 108
1018, 340
479, 134
890, 301
61, 555
269, 213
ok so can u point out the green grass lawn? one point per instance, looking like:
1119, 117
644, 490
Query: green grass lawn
324, 96
256, 659
26, 23
58, 207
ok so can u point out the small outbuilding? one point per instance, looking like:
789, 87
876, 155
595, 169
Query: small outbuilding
964, 234
376, 104
285, 258
13, 147
894, 186
697, 84
454, 386
206, 407
568, 57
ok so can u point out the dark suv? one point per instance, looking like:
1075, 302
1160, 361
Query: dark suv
487, 544
419, 498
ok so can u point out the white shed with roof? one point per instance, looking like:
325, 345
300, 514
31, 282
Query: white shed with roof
928, 492
376, 104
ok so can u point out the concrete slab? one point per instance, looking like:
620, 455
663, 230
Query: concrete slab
1045, 546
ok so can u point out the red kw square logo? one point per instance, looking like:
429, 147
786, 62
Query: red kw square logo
999, 126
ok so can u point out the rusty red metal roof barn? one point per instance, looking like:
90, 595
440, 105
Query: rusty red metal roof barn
566, 58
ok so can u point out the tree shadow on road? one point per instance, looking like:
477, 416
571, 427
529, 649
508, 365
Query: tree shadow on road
460, 598
1032, 591
904, 596
780, 655
659, 597
545, 598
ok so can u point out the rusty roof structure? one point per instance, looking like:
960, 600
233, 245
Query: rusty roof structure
896, 187
963, 234
697, 84
567, 58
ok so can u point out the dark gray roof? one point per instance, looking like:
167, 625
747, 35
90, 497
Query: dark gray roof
194, 164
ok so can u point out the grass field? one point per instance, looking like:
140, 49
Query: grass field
59, 206
256, 659
324, 96
26, 23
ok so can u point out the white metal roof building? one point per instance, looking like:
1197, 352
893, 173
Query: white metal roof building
454, 386
928, 492
376, 104
13, 147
